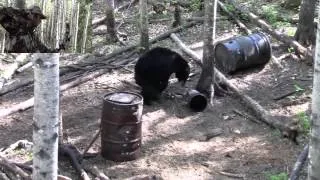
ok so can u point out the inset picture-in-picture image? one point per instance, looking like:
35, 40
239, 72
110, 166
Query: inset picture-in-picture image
40, 26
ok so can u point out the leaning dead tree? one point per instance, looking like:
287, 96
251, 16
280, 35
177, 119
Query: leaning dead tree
46, 117
300, 49
205, 83
285, 125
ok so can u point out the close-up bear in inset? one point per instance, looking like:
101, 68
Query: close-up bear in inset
154, 68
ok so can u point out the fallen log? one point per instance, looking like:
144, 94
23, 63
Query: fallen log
11, 68
289, 131
63, 71
74, 155
29, 103
3, 176
299, 164
277, 35
4, 163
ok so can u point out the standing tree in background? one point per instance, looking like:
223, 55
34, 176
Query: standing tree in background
110, 22
85, 32
314, 145
305, 33
46, 116
205, 83
144, 34
43, 5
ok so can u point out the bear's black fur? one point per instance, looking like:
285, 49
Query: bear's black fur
154, 68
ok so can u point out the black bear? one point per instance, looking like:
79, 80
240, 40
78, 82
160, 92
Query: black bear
154, 68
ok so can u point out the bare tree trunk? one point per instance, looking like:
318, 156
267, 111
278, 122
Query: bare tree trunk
76, 27
110, 22
85, 31
43, 3
205, 83
305, 33
3, 41
58, 23
62, 20
46, 117
314, 149
144, 34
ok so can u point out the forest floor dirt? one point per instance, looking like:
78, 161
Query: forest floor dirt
172, 135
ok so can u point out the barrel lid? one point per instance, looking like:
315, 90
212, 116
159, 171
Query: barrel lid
123, 98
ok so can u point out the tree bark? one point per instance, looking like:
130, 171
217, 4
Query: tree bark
111, 22
305, 33
46, 117
314, 153
144, 34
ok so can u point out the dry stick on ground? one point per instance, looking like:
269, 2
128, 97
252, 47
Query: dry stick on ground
281, 96
99, 174
279, 36
244, 27
24, 67
290, 131
91, 143
299, 164
126, 5
247, 116
158, 38
232, 175
74, 155
13, 168
97, 22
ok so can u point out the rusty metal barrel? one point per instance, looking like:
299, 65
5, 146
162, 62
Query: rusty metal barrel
121, 126
242, 52
196, 100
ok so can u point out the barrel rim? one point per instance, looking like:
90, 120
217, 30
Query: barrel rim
269, 42
123, 104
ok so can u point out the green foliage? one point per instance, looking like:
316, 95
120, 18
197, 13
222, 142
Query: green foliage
304, 121
271, 13
280, 24
291, 31
276, 133
290, 49
195, 5
230, 7
298, 88
280, 176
